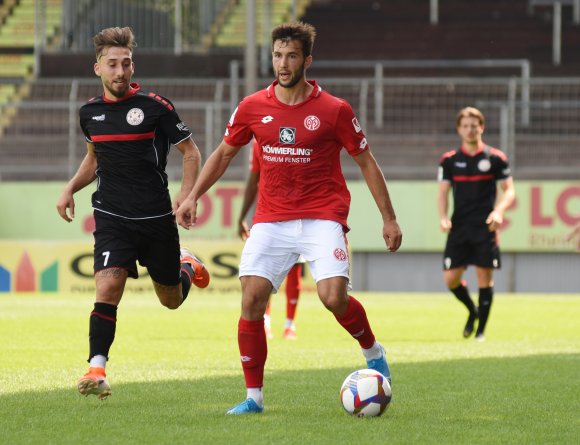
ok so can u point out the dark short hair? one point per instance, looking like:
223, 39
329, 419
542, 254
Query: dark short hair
302, 32
116, 36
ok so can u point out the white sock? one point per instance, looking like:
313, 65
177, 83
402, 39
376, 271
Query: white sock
267, 321
289, 324
98, 361
256, 394
373, 352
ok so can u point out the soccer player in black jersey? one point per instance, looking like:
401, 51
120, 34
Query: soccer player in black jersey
473, 171
129, 134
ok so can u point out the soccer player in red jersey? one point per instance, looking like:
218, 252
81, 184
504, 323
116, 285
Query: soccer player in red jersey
473, 172
129, 134
303, 201
294, 277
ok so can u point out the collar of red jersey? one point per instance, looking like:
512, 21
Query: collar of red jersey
315, 91
134, 87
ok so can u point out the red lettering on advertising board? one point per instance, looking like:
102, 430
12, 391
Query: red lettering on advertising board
227, 195
538, 219
561, 208
562, 205
204, 210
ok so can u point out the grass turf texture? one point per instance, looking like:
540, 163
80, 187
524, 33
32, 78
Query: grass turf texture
174, 373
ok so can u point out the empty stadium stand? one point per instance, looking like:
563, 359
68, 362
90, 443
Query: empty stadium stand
400, 29
40, 139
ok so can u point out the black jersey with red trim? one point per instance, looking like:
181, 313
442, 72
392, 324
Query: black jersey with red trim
132, 138
473, 178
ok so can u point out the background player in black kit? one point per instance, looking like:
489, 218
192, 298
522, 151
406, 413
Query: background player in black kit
473, 172
129, 134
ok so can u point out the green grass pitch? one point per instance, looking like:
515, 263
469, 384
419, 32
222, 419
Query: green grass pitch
174, 373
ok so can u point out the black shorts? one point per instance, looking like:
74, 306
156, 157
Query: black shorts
471, 245
154, 242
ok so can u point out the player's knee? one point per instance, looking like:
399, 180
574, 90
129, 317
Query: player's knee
171, 304
452, 280
335, 303
172, 301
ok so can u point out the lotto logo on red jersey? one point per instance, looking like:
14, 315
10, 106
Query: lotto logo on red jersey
340, 254
287, 135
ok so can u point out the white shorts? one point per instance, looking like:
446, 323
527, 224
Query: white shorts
273, 248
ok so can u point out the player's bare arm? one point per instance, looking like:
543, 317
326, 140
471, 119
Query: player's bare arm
83, 177
191, 168
213, 169
378, 187
495, 218
249, 198
443, 205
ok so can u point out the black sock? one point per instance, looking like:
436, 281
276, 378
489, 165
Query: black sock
186, 277
102, 325
462, 294
485, 299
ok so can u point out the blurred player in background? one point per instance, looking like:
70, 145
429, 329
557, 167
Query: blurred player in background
473, 172
129, 134
303, 201
294, 277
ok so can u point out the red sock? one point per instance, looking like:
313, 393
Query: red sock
355, 321
253, 351
293, 286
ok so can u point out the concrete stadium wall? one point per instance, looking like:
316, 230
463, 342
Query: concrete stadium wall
422, 272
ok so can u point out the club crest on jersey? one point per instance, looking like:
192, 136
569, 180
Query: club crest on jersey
340, 254
287, 135
135, 116
484, 165
312, 123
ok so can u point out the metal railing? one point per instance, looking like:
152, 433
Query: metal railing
40, 137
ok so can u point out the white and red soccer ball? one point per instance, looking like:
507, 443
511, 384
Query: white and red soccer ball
365, 393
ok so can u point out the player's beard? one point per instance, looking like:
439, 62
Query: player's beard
118, 90
296, 77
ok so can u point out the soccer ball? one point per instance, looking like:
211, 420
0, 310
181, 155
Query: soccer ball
365, 393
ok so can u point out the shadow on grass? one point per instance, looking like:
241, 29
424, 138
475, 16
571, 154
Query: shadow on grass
532, 399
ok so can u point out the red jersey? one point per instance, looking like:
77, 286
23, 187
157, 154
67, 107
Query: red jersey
299, 150
255, 158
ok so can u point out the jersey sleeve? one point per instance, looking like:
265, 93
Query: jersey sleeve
84, 129
502, 168
349, 131
171, 124
255, 158
444, 172
238, 130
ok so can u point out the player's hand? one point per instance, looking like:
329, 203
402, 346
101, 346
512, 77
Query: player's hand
494, 221
392, 235
445, 224
243, 230
66, 201
574, 233
186, 214
179, 198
